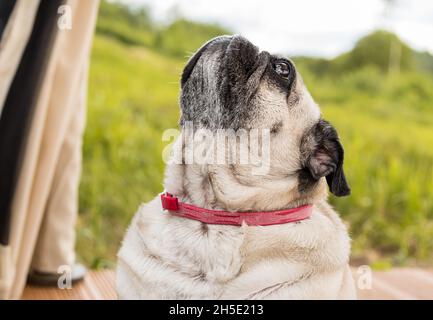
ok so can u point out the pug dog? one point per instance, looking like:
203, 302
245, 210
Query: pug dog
230, 84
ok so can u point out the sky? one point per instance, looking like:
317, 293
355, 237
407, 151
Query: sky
306, 27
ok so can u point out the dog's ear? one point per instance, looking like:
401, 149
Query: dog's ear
327, 160
336, 179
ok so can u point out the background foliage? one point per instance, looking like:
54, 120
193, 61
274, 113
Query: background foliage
382, 108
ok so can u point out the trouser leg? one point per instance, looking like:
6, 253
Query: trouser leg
56, 242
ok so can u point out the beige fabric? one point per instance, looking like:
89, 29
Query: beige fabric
55, 246
12, 45
57, 105
14, 41
5, 270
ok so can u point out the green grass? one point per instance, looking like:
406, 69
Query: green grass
390, 171
385, 123
387, 131
132, 100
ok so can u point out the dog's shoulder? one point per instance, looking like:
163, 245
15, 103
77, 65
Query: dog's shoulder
159, 246
134, 240
320, 240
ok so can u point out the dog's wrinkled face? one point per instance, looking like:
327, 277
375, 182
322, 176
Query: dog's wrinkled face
229, 83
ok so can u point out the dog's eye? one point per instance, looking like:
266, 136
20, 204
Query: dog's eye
282, 68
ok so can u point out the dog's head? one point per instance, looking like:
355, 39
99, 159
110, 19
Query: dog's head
229, 83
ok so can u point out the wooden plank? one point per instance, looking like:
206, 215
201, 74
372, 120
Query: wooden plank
97, 285
417, 284
395, 284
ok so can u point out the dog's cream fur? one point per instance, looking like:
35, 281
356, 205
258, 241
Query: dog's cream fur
168, 257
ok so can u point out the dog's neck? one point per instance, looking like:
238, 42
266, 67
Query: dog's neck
231, 187
218, 188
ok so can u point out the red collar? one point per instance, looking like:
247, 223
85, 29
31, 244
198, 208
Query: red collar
263, 218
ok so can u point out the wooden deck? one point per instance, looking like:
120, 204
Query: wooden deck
98, 285
395, 284
399, 284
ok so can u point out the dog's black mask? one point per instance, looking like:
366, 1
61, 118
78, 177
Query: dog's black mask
323, 156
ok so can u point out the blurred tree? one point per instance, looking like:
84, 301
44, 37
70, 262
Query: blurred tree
132, 26
183, 37
137, 17
395, 47
381, 49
